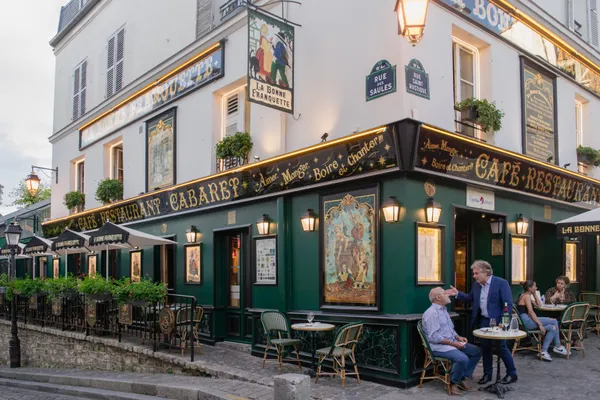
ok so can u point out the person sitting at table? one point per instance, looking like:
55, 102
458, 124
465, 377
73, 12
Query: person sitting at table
548, 326
560, 294
445, 342
488, 295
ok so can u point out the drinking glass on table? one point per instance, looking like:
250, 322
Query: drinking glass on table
493, 323
310, 317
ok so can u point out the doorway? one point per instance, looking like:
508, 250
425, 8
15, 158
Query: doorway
164, 264
233, 281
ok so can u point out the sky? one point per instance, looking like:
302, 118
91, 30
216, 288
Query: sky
27, 82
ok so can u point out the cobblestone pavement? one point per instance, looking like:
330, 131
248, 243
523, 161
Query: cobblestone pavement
8, 393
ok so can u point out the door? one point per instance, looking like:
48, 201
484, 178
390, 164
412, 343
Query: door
164, 259
238, 287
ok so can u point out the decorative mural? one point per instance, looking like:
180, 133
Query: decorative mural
160, 151
350, 248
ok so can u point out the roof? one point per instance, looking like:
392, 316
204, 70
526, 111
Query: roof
70, 15
24, 211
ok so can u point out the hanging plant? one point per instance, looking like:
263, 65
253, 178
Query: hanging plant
74, 200
588, 155
482, 112
109, 190
238, 145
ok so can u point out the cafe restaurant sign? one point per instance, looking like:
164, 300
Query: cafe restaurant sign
206, 68
368, 152
458, 157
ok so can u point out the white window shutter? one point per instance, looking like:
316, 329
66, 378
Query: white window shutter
594, 22
76, 81
233, 114
110, 65
570, 15
82, 95
119, 60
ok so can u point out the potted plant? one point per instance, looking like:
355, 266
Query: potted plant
74, 200
96, 288
588, 155
238, 145
61, 287
121, 291
109, 190
145, 291
481, 112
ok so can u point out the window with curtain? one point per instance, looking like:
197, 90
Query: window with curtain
519, 259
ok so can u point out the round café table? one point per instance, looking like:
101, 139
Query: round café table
550, 310
488, 333
313, 328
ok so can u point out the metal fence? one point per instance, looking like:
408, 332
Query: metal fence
175, 322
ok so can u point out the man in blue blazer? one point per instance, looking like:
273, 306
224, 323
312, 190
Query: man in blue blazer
488, 296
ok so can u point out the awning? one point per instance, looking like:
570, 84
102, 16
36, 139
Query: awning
38, 246
5, 252
70, 242
584, 224
110, 233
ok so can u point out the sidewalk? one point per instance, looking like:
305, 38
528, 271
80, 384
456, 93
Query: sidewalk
575, 379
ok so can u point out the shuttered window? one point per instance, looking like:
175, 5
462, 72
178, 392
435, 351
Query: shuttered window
114, 63
594, 22
570, 15
79, 90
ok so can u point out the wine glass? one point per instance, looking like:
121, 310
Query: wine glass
310, 318
493, 323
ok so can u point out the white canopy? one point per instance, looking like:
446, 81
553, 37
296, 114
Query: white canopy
586, 223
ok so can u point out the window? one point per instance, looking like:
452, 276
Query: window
236, 112
571, 260
519, 251
79, 90
465, 60
579, 122
80, 176
430, 254
116, 154
570, 15
114, 64
594, 23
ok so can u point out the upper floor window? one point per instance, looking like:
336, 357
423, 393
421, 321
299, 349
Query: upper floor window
236, 112
117, 161
579, 122
79, 90
465, 61
114, 63
80, 176
594, 23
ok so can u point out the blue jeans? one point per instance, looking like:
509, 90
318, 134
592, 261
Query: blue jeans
505, 354
464, 361
551, 326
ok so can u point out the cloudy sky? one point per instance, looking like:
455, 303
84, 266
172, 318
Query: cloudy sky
27, 81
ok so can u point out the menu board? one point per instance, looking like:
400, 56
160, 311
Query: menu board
539, 115
429, 255
266, 260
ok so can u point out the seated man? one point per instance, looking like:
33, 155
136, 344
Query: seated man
445, 342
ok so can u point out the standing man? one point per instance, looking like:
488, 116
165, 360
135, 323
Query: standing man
488, 296
445, 342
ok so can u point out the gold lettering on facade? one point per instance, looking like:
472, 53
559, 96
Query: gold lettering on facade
225, 193
193, 198
182, 201
214, 194
234, 183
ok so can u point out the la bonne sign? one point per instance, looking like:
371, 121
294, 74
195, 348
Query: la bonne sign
486, 13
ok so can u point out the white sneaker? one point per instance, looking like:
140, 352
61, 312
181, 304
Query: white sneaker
546, 356
561, 350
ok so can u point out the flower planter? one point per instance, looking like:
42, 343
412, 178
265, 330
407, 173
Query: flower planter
469, 114
585, 158
69, 293
99, 296
138, 303
2, 290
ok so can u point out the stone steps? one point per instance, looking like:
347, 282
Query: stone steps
115, 385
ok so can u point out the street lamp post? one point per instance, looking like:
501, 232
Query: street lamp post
13, 236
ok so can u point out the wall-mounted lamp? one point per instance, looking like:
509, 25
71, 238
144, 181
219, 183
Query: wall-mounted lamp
192, 234
324, 137
33, 181
496, 225
262, 224
411, 19
432, 211
308, 220
522, 225
391, 210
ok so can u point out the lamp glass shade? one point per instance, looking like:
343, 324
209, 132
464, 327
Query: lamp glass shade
33, 184
412, 15
192, 234
263, 225
522, 225
12, 234
496, 225
391, 210
308, 221
433, 210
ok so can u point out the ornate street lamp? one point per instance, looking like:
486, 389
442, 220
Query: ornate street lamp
13, 236
308, 220
522, 225
391, 210
192, 234
33, 181
263, 225
432, 211
411, 19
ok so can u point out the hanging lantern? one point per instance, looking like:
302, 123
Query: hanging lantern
263, 225
522, 225
412, 15
308, 221
432, 211
192, 234
496, 225
391, 210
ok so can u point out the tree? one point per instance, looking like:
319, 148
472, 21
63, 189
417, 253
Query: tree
22, 198
1, 193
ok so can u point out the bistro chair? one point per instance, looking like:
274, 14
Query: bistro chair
572, 323
594, 315
343, 346
535, 335
278, 335
435, 361
186, 318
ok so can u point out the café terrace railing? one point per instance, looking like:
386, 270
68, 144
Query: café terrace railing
163, 325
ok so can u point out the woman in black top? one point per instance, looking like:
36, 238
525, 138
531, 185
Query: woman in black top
547, 326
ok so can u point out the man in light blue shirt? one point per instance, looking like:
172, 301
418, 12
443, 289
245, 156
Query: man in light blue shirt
483, 297
445, 342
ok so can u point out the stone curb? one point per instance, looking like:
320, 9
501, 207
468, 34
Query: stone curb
199, 367
122, 389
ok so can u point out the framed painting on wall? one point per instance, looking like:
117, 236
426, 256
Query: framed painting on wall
349, 250
55, 268
160, 151
92, 261
135, 265
193, 263
265, 260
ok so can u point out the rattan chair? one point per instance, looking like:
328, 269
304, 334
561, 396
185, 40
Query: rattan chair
593, 299
534, 334
436, 361
277, 330
343, 346
572, 322
184, 320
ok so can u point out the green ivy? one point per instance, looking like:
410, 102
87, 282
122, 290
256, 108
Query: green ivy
109, 190
238, 145
74, 199
592, 155
489, 116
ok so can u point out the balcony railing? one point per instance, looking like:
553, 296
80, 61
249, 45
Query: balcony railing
228, 8
223, 164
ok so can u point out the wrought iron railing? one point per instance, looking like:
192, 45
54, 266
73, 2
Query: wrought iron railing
223, 164
176, 322
232, 5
